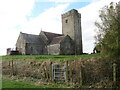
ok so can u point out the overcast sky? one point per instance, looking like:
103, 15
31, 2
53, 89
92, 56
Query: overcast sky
32, 16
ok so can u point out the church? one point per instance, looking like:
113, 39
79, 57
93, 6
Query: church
47, 43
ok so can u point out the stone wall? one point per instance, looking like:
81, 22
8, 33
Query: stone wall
71, 25
44, 38
20, 45
68, 24
67, 46
77, 33
34, 49
54, 49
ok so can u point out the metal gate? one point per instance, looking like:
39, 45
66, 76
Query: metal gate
59, 72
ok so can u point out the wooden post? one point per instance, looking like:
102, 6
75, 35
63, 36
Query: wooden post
47, 76
80, 76
12, 68
9, 64
51, 71
114, 73
66, 71
15, 67
71, 75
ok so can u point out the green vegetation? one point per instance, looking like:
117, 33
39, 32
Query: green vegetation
46, 57
96, 72
9, 83
108, 33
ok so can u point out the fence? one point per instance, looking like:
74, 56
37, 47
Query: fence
77, 71
59, 72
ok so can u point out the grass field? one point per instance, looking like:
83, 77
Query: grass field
46, 57
9, 83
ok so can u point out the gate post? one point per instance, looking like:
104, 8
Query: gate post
66, 71
114, 74
51, 79
81, 76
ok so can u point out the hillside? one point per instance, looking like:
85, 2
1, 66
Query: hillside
47, 57
87, 71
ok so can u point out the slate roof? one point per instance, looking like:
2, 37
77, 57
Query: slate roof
50, 35
30, 38
57, 40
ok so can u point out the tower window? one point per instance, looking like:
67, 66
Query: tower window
66, 21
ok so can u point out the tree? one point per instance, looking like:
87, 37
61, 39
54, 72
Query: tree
108, 35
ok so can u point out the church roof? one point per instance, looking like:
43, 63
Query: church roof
36, 39
30, 38
50, 35
57, 40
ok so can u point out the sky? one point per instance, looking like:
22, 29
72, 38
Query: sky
32, 16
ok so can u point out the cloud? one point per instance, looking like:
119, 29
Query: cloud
13, 13
61, 1
49, 20
89, 15
13, 18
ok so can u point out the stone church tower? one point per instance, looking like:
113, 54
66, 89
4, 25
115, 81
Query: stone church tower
67, 43
71, 25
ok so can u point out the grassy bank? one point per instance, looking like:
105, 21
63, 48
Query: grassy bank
46, 57
96, 72
10, 83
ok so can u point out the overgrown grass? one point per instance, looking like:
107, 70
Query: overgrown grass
46, 57
9, 83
